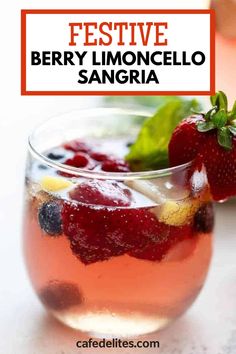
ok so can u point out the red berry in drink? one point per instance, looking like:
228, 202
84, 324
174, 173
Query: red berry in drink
115, 165
98, 156
167, 237
98, 234
132, 228
81, 160
86, 227
60, 296
77, 146
102, 193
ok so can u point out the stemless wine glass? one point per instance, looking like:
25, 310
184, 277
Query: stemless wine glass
124, 267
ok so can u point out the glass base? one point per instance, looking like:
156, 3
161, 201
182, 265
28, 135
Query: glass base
108, 325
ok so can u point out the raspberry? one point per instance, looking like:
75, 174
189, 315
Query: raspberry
101, 193
98, 234
98, 156
49, 218
86, 229
77, 146
60, 295
81, 160
115, 165
204, 219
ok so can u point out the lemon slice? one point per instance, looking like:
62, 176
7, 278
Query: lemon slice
54, 184
177, 213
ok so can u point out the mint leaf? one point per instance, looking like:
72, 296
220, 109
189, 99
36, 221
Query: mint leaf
224, 138
205, 126
150, 151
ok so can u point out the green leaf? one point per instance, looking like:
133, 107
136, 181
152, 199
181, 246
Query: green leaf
232, 129
220, 101
223, 102
234, 108
233, 111
220, 118
214, 99
205, 126
150, 151
224, 138
209, 114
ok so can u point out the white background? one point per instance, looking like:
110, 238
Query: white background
51, 32
208, 328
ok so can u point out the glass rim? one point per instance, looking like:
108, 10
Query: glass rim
81, 172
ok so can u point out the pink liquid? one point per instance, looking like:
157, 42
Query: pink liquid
144, 294
123, 295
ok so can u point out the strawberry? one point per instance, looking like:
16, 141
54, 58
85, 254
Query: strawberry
220, 165
134, 228
209, 139
186, 141
168, 237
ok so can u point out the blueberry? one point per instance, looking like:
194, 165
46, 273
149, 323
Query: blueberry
42, 167
54, 156
49, 218
204, 219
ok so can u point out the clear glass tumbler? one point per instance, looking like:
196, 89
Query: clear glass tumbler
121, 269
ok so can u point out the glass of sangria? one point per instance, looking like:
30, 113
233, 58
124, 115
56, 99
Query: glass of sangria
109, 251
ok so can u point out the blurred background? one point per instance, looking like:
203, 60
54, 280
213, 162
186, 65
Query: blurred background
210, 326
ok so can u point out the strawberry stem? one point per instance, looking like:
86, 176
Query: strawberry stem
220, 119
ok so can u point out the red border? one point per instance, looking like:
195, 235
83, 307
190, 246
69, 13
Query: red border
24, 91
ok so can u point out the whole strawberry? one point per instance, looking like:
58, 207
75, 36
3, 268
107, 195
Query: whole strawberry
211, 139
186, 141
